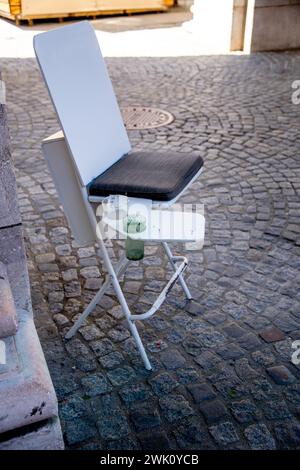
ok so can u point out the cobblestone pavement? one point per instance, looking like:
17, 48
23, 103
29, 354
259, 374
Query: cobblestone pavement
223, 376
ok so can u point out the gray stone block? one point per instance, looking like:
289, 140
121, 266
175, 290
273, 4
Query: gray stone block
9, 211
26, 390
46, 437
8, 317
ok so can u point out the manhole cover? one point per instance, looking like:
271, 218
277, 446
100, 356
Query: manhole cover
136, 117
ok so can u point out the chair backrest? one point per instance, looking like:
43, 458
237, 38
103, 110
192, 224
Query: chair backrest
69, 189
82, 94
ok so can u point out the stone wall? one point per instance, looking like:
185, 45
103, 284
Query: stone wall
27, 396
276, 25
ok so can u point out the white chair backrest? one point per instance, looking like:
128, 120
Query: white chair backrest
80, 88
70, 192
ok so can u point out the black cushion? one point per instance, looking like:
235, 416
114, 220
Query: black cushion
153, 175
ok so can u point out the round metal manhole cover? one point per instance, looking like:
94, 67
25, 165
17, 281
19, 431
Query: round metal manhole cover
137, 117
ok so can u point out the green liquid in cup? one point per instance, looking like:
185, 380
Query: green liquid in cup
134, 247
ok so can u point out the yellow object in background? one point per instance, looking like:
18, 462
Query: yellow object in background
29, 10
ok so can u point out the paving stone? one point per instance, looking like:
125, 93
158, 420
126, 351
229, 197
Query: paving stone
90, 332
230, 351
69, 275
175, 407
224, 433
292, 393
56, 296
135, 393
111, 360
76, 348
191, 435
163, 383
244, 370
234, 331
211, 339
192, 346
125, 443
60, 319
86, 252
286, 322
106, 405
66, 387
262, 390
208, 360
249, 342
63, 250
73, 408
172, 359
157, 346
277, 410
281, 375
121, 375
90, 272
79, 430
113, 427
118, 333
264, 357
93, 283
245, 411
287, 435
188, 375
95, 384
117, 312
213, 411
102, 347
201, 392
175, 336
73, 289
259, 437
145, 417
235, 311
270, 335
45, 258
156, 441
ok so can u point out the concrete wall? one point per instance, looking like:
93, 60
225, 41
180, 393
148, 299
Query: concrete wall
27, 396
276, 25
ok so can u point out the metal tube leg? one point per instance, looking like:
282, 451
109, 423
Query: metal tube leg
123, 303
130, 322
180, 278
115, 283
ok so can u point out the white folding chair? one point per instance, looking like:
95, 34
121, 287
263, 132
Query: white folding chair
92, 160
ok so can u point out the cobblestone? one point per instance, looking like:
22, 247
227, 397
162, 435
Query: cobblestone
222, 374
213, 411
281, 375
95, 385
175, 407
145, 418
245, 411
201, 392
259, 437
224, 433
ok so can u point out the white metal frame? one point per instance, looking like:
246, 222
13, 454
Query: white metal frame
73, 157
113, 280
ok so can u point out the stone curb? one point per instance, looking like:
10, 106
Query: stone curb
8, 317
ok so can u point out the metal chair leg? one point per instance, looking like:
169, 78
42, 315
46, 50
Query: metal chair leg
180, 277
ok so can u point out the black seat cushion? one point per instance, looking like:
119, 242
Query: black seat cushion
153, 175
